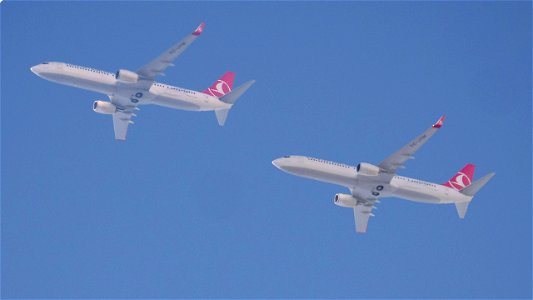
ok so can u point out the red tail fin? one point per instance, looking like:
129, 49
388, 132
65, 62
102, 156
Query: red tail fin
462, 178
222, 86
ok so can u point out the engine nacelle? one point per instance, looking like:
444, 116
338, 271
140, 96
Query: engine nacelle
345, 200
127, 76
104, 107
367, 169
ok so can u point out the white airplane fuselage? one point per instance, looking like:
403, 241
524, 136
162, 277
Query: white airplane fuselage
106, 83
345, 175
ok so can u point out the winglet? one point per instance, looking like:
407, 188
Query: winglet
199, 29
439, 122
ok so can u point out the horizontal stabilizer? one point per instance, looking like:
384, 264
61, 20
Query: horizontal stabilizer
461, 208
232, 97
472, 189
222, 114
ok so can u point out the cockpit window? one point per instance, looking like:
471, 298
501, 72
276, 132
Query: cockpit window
45, 63
287, 156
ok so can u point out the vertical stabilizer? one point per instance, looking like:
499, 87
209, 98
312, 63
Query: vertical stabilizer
222, 86
462, 178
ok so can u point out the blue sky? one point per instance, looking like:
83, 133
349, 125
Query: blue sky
185, 208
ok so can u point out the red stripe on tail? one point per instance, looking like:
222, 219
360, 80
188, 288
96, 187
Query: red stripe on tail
222, 86
462, 178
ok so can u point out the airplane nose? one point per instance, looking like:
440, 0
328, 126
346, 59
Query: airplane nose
35, 69
275, 162
280, 163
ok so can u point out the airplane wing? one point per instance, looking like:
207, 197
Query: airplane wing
362, 210
366, 200
120, 125
163, 61
397, 160
122, 117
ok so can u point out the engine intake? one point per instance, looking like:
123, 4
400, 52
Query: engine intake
345, 200
104, 107
127, 76
367, 169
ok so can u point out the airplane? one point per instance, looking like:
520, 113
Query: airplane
127, 89
368, 183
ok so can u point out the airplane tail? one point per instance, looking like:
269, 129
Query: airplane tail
461, 179
231, 98
471, 191
222, 86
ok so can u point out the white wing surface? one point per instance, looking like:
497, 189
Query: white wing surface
120, 125
122, 117
362, 210
362, 213
366, 199
157, 66
397, 160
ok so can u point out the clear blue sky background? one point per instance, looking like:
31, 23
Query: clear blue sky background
185, 208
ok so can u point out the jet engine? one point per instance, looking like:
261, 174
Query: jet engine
127, 76
367, 169
345, 200
104, 107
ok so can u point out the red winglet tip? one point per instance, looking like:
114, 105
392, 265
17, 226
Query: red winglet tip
439, 122
199, 29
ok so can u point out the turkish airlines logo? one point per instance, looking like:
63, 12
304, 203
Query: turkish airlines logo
220, 89
460, 181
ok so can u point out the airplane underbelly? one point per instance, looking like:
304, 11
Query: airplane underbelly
82, 83
175, 103
416, 195
321, 175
